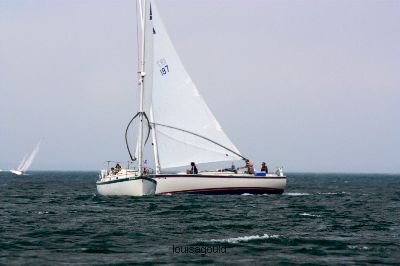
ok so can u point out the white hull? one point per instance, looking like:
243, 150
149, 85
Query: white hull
204, 183
220, 184
16, 172
127, 187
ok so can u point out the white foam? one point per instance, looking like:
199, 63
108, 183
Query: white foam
358, 247
308, 214
332, 193
246, 194
243, 238
297, 194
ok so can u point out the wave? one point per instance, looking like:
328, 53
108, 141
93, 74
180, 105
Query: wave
244, 238
358, 247
308, 214
332, 193
297, 194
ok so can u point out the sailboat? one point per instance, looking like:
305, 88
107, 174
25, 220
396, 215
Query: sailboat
182, 129
26, 161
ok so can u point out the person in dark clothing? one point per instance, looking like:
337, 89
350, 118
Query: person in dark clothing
193, 170
264, 167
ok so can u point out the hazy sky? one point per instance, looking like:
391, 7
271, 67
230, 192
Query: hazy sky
310, 85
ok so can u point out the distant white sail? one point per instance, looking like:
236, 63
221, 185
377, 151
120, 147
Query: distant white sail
176, 102
22, 162
27, 162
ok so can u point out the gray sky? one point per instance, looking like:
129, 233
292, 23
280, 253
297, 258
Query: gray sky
310, 85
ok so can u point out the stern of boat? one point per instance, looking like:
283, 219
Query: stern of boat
125, 183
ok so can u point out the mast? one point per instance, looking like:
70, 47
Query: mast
141, 36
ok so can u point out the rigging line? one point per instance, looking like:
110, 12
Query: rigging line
200, 136
126, 133
126, 136
149, 126
197, 146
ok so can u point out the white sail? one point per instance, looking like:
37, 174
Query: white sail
28, 162
177, 102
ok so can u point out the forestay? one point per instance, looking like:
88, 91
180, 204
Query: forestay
176, 102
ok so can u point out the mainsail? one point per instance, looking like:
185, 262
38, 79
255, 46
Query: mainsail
179, 113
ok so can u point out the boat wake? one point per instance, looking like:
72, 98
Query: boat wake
244, 238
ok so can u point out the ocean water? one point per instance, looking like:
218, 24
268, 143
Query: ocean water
53, 218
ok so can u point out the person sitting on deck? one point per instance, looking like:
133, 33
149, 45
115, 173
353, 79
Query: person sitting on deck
118, 168
264, 168
193, 170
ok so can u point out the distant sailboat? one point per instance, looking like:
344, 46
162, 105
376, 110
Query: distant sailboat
26, 161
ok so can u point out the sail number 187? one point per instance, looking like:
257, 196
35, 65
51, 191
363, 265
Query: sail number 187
164, 70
